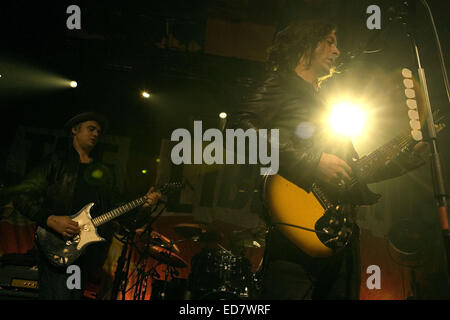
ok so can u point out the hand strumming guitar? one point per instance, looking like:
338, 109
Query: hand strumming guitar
332, 169
63, 225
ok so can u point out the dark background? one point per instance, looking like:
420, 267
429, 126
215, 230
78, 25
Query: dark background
120, 51
115, 55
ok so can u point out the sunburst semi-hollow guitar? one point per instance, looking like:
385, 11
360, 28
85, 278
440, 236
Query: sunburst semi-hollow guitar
320, 222
62, 251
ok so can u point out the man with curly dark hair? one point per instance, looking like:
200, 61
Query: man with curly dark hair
298, 41
303, 54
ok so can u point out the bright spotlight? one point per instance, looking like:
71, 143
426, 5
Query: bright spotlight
73, 84
145, 94
347, 119
97, 174
222, 115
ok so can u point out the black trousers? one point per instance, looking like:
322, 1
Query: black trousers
53, 280
290, 274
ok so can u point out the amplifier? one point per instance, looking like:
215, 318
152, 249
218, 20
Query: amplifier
18, 282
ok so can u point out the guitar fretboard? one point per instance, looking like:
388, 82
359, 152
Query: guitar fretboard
368, 164
110, 215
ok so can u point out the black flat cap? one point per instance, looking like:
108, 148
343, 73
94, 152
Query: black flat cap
88, 116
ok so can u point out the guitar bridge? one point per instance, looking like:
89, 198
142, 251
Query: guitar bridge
332, 229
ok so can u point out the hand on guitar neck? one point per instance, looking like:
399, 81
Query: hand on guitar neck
152, 197
333, 170
420, 148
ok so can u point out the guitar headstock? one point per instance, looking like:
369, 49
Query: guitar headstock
171, 187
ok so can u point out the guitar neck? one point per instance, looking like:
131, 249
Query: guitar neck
377, 159
110, 215
368, 164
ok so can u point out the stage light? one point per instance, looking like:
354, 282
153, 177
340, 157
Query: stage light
158, 160
144, 171
145, 94
347, 119
222, 115
97, 174
73, 84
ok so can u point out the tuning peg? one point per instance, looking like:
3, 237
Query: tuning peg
411, 102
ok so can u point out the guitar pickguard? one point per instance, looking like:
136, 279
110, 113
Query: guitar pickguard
61, 251
88, 232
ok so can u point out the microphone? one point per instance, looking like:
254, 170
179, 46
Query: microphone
345, 60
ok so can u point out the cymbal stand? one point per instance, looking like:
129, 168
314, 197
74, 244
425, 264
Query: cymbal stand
142, 276
226, 250
121, 275
166, 272
139, 282
153, 274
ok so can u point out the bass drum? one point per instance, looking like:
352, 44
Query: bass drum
219, 275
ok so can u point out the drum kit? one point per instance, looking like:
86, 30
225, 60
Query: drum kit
216, 273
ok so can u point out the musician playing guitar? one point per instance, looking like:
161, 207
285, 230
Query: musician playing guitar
302, 55
63, 184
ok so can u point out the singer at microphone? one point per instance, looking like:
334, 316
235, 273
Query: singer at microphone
301, 57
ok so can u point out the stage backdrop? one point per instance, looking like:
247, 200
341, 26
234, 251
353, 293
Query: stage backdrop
224, 199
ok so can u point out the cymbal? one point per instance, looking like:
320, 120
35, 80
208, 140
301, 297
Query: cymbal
197, 232
166, 257
249, 238
157, 239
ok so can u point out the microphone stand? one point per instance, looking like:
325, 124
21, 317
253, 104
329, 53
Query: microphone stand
121, 275
148, 231
436, 166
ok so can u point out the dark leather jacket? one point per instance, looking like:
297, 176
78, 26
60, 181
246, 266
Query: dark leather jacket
48, 189
289, 103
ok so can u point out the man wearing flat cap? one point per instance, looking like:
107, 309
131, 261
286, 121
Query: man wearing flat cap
59, 187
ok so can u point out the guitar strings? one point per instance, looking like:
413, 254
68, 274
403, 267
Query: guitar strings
108, 216
303, 228
398, 143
